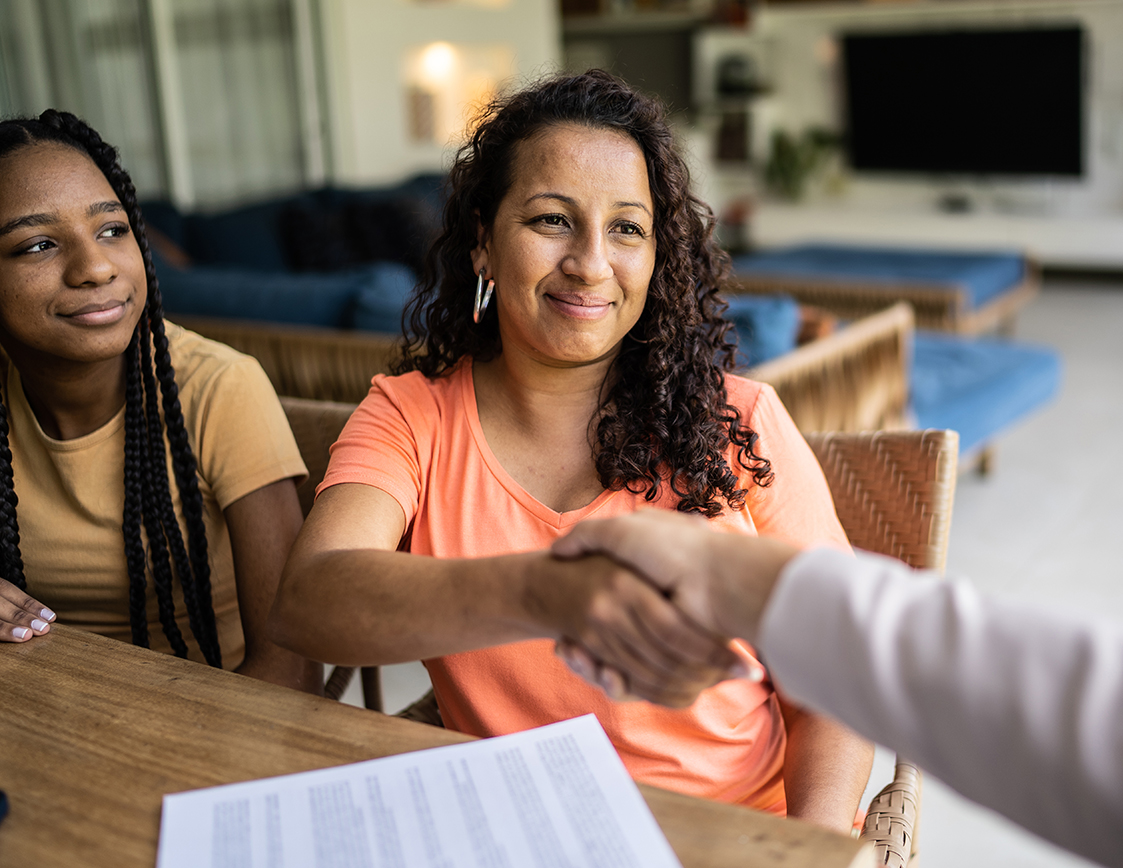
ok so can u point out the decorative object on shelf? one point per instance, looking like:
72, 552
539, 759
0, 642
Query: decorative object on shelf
794, 160
737, 75
733, 13
732, 143
733, 227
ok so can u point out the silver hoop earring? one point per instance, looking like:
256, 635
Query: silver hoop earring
483, 297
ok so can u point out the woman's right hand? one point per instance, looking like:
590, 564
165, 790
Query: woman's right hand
627, 626
21, 616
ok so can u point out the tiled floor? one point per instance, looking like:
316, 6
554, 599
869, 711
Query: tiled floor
1042, 526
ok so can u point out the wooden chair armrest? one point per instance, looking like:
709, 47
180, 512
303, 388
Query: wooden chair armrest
425, 710
890, 824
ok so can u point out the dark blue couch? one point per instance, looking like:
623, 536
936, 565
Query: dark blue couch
331, 257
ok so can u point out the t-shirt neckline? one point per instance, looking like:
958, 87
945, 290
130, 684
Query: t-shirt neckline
524, 497
19, 398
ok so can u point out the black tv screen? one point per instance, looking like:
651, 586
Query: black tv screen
976, 102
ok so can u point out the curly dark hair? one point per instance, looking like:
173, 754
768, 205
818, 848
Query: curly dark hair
149, 386
665, 416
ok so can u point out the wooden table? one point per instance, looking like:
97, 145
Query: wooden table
93, 733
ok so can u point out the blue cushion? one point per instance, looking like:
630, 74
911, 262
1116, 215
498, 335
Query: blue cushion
984, 275
248, 237
979, 387
767, 326
370, 297
380, 302
166, 217
425, 189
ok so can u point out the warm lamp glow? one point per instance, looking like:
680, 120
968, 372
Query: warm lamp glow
438, 62
446, 82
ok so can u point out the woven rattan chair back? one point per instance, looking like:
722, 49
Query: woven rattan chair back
856, 379
893, 492
316, 426
304, 361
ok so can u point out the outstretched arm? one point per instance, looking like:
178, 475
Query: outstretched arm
348, 596
1017, 707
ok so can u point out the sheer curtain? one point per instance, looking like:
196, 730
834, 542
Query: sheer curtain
203, 97
89, 57
237, 67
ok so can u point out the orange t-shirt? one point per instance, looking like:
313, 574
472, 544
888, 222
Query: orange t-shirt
420, 441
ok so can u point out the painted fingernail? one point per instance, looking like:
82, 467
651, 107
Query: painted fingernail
21, 632
46, 614
38, 626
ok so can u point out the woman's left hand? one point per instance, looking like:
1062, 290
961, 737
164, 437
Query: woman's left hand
21, 615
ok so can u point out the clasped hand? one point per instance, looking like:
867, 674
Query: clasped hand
660, 628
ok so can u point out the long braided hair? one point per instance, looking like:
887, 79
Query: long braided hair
666, 418
149, 387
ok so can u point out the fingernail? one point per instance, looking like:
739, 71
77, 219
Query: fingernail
38, 626
21, 632
46, 614
612, 686
747, 671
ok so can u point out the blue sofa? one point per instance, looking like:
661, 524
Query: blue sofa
332, 258
967, 292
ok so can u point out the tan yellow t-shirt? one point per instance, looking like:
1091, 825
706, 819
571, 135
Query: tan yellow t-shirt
72, 492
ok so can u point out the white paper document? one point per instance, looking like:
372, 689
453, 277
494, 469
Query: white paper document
553, 797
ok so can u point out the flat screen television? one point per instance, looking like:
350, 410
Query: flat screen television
966, 102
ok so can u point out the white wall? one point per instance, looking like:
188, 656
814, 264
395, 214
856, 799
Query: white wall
366, 44
805, 83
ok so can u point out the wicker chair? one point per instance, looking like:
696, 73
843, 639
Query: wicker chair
306, 361
856, 379
316, 425
893, 493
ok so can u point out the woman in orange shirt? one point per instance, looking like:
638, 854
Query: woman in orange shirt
568, 360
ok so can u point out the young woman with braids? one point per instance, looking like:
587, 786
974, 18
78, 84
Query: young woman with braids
594, 383
146, 474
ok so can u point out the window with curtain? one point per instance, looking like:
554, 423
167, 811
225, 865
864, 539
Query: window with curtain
205, 98
90, 58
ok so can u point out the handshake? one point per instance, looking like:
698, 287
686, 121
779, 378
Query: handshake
661, 629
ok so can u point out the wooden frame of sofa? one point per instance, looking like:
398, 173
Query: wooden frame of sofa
938, 306
853, 380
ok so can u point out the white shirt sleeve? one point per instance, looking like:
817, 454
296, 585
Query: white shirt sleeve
1016, 707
